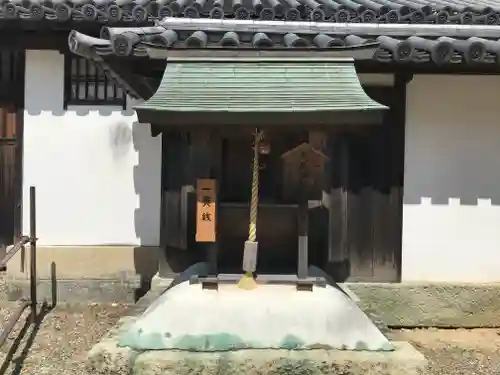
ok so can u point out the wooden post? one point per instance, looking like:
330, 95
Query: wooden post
319, 141
338, 245
303, 168
344, 178
175, 195
303, 229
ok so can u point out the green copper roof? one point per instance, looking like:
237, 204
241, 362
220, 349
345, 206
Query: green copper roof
280, 86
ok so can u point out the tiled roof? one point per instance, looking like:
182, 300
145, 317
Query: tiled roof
145, 11
273, 86
413, 49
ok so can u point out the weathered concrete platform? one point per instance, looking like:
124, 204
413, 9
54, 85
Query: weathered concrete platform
188, 317
107, 358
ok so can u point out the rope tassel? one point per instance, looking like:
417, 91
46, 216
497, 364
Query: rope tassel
251, 246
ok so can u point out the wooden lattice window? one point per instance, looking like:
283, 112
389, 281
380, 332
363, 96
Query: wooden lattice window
11, 69
87, 84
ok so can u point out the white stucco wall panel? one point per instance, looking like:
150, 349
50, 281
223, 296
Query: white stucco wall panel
451, 213
96, 170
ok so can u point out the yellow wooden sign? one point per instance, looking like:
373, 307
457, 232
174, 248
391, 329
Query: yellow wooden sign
206, 202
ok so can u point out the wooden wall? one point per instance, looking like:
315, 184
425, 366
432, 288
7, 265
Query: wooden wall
11, 114
366, 196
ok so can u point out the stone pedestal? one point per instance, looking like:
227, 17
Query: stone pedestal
270, 330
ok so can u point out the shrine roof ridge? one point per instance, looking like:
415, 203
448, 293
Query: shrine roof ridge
159, 42
142, 12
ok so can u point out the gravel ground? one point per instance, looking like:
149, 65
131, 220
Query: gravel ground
456, 352
60, 345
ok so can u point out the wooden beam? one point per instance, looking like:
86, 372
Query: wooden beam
209, 53
18, 40
426, 68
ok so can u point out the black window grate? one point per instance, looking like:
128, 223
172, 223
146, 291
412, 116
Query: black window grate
10, 71
87, 84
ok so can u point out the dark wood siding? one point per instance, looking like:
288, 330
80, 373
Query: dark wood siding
367, 195
11, 134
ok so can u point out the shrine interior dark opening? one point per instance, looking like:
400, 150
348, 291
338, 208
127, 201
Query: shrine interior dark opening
277, 218
231, 165
363, 180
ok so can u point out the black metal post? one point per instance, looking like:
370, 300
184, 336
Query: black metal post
33, 239
23, 304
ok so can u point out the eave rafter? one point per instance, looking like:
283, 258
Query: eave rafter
112, 70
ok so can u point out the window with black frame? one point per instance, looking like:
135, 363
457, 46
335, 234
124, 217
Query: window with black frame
87, 84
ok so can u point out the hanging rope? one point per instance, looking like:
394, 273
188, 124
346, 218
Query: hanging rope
254, 203
250, 251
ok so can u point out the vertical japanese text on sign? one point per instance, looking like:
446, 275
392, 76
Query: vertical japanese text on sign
206, 201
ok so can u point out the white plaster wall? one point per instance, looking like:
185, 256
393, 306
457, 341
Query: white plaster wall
451, 213
96, 170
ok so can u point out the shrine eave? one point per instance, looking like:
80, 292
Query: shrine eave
268, 92
250, 120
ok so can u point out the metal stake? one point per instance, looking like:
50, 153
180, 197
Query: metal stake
33, 239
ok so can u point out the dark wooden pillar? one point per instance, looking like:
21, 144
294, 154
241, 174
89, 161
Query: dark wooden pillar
215, 173
175, 195
175, 235
398, 159
338, 245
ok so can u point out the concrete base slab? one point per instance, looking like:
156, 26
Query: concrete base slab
110, 359
107, 358
160, 283
273, 316
411, 305
405, 361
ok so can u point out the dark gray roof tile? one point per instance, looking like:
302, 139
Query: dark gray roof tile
142, 12
134, 42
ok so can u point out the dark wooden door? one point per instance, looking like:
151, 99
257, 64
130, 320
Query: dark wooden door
367, 195
11, 111
9, 191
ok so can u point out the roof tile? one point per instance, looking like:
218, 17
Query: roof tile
443, 50
146, 11
260, 87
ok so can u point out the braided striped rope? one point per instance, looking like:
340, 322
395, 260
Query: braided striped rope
254, 203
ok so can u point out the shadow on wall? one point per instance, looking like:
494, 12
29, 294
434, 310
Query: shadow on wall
418, 200
57, 173
147, 214
452, 145
454, 183
122, 138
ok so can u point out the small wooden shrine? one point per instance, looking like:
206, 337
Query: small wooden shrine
256, 135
